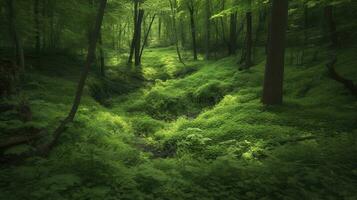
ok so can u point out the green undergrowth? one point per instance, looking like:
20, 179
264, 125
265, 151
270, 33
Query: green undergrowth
194, 132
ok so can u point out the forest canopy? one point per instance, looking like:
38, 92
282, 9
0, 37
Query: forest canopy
178, 99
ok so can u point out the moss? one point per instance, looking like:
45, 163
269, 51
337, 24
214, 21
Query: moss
212, 137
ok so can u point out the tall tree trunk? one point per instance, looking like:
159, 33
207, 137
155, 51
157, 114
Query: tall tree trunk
132, 46
138, 38
147, 35
37, 26
274, 71
20, 58
248, 58
182, 33
89, 60
233, 34
101, 55
306, 37
191, 9
173, 5
208, 30
159, 28
331, 26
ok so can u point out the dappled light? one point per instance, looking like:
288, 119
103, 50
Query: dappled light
178, 100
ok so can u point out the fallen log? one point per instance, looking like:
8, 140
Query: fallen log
20, 139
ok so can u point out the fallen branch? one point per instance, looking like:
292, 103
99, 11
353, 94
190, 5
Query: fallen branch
337, 77
21, 139
297, 139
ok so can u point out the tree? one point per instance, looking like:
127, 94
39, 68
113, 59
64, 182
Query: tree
192, 9
331, 25
208, 29
173, 8
19, 52
37, 26
249, 40
274, 70
89, 60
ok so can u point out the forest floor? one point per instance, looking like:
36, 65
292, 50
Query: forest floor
189, 132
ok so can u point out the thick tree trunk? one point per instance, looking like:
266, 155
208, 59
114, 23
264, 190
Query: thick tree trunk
331, 26
274, 71
89, 60
20, 58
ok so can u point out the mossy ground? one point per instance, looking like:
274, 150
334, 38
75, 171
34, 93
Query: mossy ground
194, 132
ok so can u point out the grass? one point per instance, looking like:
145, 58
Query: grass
195, 132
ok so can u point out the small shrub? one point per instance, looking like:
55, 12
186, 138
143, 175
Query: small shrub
145, 125
210, 93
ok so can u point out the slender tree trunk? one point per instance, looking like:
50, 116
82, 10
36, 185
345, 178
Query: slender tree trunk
89, 60
233, 34
147, 35
132, 46
37, 26
260, 28
191, 9
331, 26
173, 6
248, 58
208, 30
305, 33
182, 33
159, 28
138, 38
20, 58
101, 55
274, 71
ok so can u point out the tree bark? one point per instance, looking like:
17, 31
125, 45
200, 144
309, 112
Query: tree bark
138, 38
147, 35
337, 77
274, 70
173, 12
208, 30
233, 34
248, 55
101, 55
132, 46
331, 26
191, 9
20, 58
80, 87
37, 26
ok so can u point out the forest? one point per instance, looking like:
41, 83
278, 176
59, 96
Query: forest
178, 99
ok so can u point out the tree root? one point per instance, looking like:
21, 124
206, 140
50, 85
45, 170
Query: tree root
337, 77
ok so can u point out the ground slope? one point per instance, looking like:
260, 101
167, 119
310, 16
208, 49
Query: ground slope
194, 132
